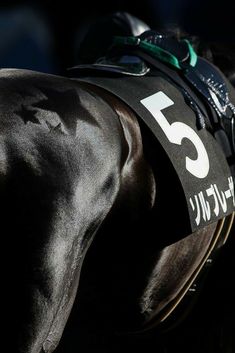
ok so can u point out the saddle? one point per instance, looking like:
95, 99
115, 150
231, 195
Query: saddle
137, 61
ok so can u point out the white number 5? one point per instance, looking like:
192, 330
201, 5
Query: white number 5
175, 133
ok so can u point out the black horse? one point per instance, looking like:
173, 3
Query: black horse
79, 167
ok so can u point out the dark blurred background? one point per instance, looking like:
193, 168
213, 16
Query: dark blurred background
45, 35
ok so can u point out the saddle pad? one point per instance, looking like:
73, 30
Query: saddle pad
198, 159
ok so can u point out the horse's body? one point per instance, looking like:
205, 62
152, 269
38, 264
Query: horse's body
59, 180
75, 160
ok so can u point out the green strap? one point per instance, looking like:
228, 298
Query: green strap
192, 54
157, 51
